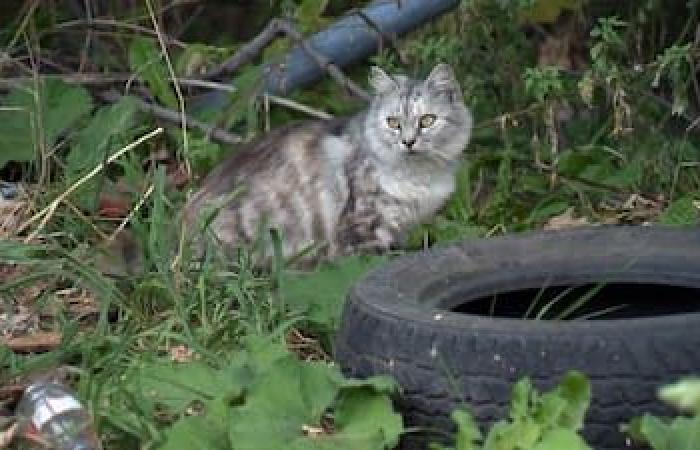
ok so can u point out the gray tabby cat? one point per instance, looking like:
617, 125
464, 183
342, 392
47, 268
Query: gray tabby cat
353, 185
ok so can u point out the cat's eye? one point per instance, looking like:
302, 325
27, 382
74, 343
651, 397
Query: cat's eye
393, 122
427, 120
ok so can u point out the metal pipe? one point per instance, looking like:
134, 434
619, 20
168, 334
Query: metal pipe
352, 39
347, 41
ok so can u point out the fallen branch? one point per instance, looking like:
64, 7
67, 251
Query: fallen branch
247, 52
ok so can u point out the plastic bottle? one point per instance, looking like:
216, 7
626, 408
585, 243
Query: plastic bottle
51, 411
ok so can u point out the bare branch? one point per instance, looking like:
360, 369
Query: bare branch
174, 117
249, 51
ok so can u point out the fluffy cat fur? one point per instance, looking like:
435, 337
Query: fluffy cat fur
347, 185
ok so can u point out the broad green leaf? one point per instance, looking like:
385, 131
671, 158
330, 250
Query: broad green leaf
576, 391
196, 432
30, 118
380, 384
247, 85
321, 294
681, 212
520, 400
113, 124
261, 352
681, 433
285, 406
684, 395
309, 14
284, 400
145, 59
510, 436
364, 420
561, 439
176, 385
468, 434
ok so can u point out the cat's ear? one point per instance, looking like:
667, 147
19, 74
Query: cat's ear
380, 81
442, 79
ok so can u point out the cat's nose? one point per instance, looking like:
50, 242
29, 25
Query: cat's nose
409, 142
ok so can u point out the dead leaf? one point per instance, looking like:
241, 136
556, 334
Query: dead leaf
33, 343
182, 354
19, 321
113, 205
79, 302
566, 220
312, 431
635, 209
13, 213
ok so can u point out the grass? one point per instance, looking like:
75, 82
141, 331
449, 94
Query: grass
552, 147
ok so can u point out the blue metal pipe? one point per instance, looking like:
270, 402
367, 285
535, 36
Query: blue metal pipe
352, 39
346, 42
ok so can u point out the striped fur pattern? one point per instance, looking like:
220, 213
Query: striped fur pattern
347, 185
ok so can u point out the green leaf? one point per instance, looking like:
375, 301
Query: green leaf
309, 14
198, 432
468, 434
176, 386
145, 59
680, 433
520, 400
575, 390
364, 420
681, 212
560, 439
110, 124
380, 384
684, 395
510, 436
30, 117
321, 294
293, 396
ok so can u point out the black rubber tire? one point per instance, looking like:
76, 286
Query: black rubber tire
393, 324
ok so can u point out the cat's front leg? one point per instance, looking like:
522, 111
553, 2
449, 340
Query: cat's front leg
367, 234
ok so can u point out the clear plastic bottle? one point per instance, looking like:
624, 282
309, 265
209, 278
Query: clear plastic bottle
51, 411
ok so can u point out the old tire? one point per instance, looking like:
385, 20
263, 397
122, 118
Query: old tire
399, 320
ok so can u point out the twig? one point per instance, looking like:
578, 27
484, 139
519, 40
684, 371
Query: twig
393, 42
323, 62
48, 211
95, 22
291, 104
97, 78
20, 31
246, 53
171, 116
